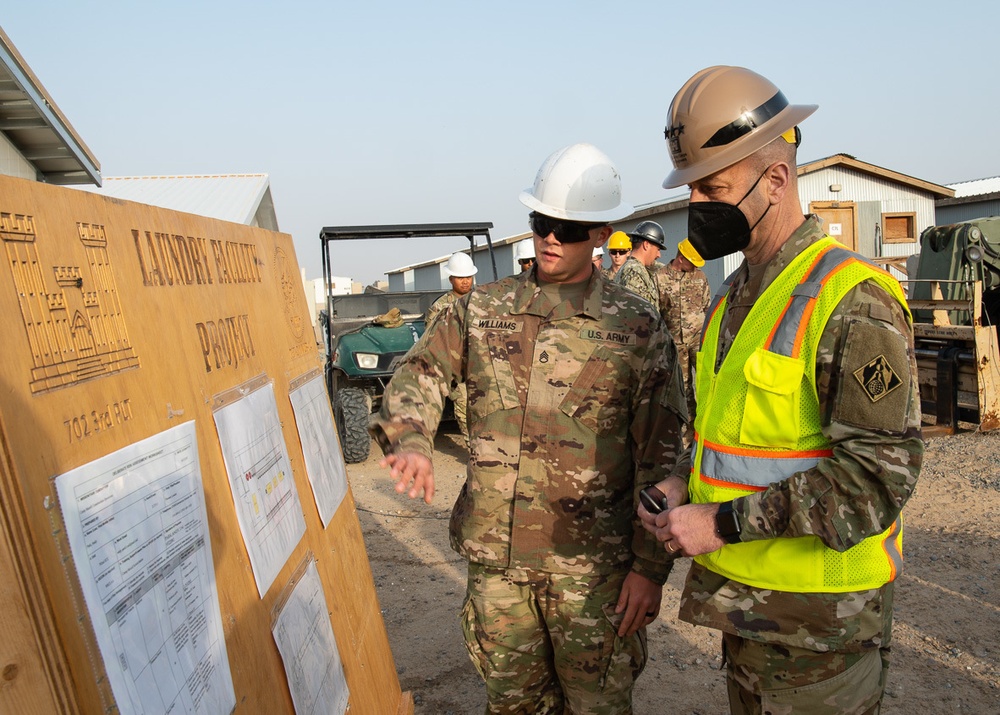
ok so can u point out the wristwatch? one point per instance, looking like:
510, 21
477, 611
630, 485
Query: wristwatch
727, 523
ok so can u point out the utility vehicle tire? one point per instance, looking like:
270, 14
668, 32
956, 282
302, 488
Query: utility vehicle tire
352, 407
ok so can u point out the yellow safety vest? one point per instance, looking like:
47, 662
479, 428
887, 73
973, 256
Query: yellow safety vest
758, 422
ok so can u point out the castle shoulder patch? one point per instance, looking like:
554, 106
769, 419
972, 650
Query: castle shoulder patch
877, 378
874, 392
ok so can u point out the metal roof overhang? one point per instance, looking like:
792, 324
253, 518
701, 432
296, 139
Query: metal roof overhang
33, 123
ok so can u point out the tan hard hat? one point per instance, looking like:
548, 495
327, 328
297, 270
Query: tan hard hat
722, 115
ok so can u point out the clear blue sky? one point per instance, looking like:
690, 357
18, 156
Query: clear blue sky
394, 112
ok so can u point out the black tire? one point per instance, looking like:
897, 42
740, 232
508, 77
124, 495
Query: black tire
352, 407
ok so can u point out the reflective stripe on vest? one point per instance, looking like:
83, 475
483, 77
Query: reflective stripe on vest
778, 372
752, 469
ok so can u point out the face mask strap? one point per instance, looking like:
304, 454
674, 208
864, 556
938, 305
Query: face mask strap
750, 190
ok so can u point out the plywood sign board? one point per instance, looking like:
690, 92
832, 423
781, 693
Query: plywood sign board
155, 501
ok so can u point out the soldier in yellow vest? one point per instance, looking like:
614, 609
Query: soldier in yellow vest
807, 434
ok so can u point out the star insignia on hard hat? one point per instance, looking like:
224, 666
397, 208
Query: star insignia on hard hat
877, 378
673, 137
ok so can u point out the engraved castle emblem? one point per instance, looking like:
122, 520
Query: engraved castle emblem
290, 284
72, 313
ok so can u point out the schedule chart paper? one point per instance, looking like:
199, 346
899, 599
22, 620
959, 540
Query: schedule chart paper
260, 476
137, 527
320, 446
308, 649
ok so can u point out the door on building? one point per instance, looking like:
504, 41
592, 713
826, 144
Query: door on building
840, 220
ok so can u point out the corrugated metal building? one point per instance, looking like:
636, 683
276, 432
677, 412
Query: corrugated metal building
430, 275
875, 211
973, 199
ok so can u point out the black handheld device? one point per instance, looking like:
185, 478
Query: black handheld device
653, 499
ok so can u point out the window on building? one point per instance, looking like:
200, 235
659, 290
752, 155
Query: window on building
899, 228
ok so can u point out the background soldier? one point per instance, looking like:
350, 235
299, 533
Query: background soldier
684, 295
574, 405
647, 240
619, 246
524, 253
460, 270
801, 467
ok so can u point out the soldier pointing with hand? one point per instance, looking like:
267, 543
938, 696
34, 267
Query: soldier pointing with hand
574, 404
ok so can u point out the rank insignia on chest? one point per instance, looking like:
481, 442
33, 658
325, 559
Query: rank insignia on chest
544, 357
877, 378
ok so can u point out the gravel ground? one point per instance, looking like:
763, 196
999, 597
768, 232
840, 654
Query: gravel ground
945, 653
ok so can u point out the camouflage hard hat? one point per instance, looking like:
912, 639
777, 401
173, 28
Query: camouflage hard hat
721, 116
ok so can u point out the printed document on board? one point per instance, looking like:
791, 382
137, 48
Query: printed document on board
308, 649
260, 476
320, 446
137, 527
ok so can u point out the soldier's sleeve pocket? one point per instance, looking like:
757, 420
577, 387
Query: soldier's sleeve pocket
599, 395
771, 411
874, 389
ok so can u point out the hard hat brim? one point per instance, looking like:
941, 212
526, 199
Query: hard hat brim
619, 212
741, 149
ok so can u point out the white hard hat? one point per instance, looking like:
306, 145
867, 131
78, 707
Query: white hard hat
524, 249
577, 183
460, 265
598, 252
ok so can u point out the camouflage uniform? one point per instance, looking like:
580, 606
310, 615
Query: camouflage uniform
683, 298
440, 304
459, 394
777, 641
636, 277
609, 272
574, 406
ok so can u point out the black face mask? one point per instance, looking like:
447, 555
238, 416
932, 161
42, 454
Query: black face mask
717, 229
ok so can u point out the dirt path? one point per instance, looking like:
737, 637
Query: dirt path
946, 656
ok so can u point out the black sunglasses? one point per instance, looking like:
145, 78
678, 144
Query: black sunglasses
525, 261
617, 251
564, 231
